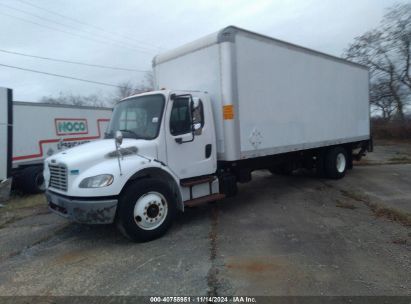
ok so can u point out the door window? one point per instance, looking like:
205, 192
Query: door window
180, 119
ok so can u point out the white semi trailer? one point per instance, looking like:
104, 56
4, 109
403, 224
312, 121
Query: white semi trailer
32, 131
225, 105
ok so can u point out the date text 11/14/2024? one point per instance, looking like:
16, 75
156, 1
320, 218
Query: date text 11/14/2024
203, 299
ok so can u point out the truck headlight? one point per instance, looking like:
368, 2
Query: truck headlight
97, 181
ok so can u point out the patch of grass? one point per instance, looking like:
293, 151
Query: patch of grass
392, 214
400, 159
353, 195
400, 241
345, 205
19, 207
381, 211
26, 201
397, 160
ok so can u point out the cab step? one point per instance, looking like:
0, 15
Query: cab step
204, 199
189, 182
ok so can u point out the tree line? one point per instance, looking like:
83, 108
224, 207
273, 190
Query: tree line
125, 89
386, 51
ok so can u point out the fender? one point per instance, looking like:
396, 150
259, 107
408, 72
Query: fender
158, 170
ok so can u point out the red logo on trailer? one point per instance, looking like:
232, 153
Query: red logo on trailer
71, 126
57, 140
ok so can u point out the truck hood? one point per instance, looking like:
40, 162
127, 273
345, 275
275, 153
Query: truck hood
93, 152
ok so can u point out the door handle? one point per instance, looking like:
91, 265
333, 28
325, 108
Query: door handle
208, 149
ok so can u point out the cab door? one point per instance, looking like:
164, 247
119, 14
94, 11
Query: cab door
190, 137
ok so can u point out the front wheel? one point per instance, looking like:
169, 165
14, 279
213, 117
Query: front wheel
146, 210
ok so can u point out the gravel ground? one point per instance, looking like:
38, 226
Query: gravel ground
293, 235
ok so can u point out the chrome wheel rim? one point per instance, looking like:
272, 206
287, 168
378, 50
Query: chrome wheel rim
341, 162
150, 210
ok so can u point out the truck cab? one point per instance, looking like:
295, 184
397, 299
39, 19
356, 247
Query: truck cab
158, 155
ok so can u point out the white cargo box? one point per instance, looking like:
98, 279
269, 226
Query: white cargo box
269, 96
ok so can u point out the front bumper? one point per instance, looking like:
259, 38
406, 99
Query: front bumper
87, 211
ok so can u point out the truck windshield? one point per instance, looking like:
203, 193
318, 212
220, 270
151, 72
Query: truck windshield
138, 117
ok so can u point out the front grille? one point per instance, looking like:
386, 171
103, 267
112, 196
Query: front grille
58, 177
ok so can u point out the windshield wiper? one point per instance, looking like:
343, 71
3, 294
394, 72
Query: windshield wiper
129, 131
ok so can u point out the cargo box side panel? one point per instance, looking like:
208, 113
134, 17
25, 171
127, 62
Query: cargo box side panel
290, 99
40, 131
198, 70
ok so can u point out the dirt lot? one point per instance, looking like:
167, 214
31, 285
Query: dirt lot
295, 235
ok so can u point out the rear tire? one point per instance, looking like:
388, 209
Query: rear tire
146, 210
32, 180
336, 163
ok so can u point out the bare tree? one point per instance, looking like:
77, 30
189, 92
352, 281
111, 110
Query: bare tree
127, 88
149, 80
77, 100
124, 90
387, 53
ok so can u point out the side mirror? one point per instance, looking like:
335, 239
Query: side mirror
118, 138
197, 126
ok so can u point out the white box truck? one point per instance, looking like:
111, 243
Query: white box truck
225, 105
32, 131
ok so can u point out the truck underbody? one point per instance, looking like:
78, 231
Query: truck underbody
287, 162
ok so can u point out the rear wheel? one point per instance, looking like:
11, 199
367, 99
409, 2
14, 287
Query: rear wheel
336, 163
146, 210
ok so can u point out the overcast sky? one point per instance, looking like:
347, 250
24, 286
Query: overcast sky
129, 33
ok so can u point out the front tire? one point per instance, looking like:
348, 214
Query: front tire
336, 163
146, 210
